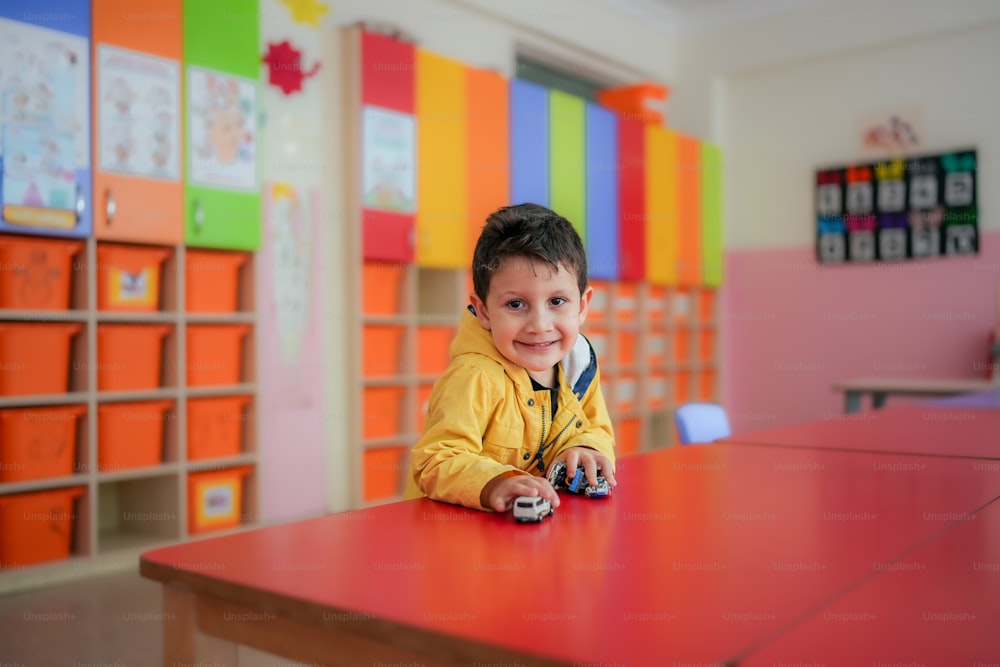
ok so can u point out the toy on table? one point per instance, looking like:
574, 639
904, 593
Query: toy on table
578, 483
531, 508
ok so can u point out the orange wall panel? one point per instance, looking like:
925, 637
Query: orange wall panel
488, 149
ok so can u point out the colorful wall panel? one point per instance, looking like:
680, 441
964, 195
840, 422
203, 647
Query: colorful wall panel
688, 233
661, 205
567, 163
632, 199
602, 192
711, 214
487, 98
529, 143
442, 139
387, 87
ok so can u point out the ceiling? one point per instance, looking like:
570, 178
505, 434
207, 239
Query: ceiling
687, 17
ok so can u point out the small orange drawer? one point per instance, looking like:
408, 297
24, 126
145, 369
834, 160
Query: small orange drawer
215, 499
215, 426
212, 280
36, 273
128, 277
215, 354
130, 356
384, 472
38, 442
682, 345
383, 410
627, 434
35, 357
626, 346
37, 527
706, 386
682, 388
382, 287
382, 350
434, 348
130, 435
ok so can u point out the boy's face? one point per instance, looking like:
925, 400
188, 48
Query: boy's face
534, 314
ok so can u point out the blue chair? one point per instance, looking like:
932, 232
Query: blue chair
701, 423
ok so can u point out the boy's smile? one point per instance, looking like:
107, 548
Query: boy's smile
534, 314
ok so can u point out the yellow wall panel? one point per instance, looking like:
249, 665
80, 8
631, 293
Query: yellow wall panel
661, 205
442, 168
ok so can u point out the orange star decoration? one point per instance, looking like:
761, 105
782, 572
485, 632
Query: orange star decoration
306, 11
286, 69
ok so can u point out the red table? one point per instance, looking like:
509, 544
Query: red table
937, 606
923, 430
702, 554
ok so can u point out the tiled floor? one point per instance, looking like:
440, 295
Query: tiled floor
108, 621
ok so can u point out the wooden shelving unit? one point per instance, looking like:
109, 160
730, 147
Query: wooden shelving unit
122, 512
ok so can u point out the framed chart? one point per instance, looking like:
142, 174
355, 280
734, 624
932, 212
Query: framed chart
904, 208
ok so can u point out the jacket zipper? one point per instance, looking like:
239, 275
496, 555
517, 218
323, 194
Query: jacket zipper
542, 446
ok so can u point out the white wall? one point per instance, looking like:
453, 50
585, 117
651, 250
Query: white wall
781, 122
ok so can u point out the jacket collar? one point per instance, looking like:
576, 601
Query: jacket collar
579, 367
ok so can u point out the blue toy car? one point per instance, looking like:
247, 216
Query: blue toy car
578, 483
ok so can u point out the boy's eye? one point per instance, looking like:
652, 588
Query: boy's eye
559, 300
515, 304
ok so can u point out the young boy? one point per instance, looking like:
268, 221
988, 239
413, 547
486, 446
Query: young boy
522, 390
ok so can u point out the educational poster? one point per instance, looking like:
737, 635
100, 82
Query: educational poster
389, 156
44, 133
290, 230
222, 141
899, 209
138, 113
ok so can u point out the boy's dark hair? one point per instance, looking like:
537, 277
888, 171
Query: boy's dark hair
527, 230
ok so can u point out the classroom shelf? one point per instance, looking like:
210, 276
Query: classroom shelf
123, 510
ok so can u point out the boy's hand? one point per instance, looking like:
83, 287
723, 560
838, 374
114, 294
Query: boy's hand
500, 492
591, 460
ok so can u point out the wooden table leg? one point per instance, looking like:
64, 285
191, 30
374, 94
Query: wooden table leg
852, 401
183, 642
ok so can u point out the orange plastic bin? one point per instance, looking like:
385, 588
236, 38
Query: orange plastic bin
37, 527
215, 426
434, 348
128, 277
36, 273
382, 287
383, 408
215, 499
215, 354
130, 356
382, 349
212, 280
130, 435
384, 472
36, 443
35, 358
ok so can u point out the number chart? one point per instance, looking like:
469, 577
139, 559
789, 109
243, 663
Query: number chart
903, 208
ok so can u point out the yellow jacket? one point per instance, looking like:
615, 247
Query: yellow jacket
484, 419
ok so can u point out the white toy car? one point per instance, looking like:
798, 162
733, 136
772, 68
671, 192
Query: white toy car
531, 509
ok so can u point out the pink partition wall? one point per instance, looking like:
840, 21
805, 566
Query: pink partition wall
792, 328
291, 410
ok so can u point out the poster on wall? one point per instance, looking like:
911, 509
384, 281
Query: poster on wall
44, 132
898, 209
389, 155
138, 113
222, 130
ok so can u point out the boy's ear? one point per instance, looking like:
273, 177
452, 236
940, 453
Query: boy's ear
481, 314
585, 303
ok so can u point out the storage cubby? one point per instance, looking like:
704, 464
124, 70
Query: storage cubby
105, 384
137, 511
